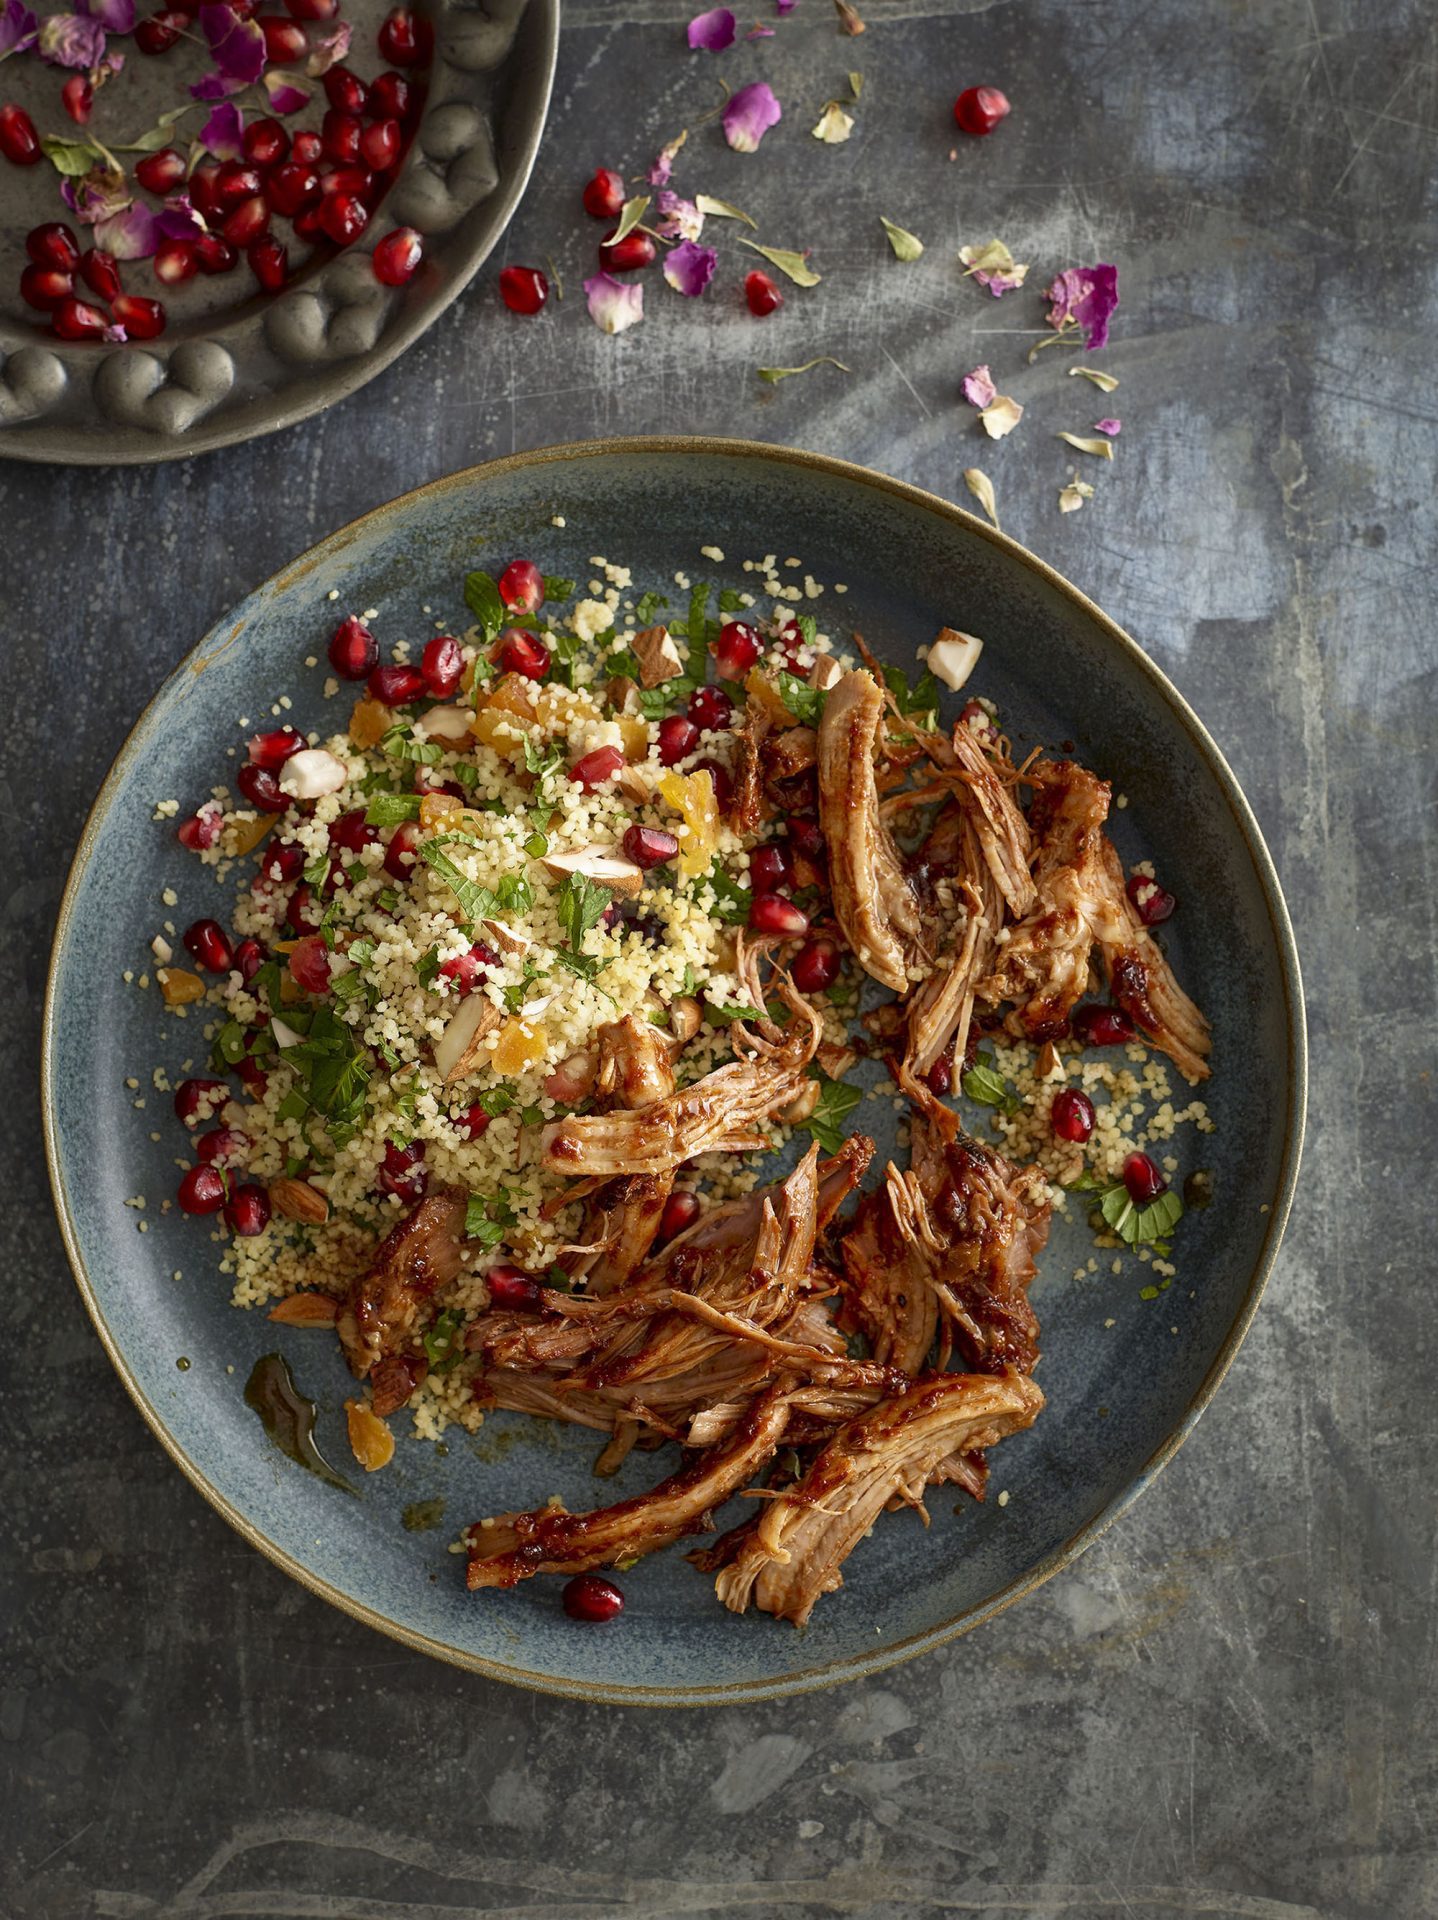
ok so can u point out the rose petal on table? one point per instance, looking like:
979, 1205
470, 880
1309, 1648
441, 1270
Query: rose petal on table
749, 114
689, 269
978, 387
613, 305
712, 31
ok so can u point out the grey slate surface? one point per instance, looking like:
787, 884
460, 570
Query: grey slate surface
1227, 1707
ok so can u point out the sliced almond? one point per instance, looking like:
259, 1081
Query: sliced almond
284, 1033
622, 694
311, 773
657, 655
162, 950
835, 1060
445, 723
505, 938
824, 672
298, 1200
305, 1309
632, 784
457, 1050
371, 1441
598, 864
953, 656
685, 1018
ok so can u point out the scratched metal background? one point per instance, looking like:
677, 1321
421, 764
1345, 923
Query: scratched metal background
1227, 1708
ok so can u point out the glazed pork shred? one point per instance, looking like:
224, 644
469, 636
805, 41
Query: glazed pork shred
580, 913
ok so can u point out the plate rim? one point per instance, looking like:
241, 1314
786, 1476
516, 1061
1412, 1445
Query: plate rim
331, 386
800, 1680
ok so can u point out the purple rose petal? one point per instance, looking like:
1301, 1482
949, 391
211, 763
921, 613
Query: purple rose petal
96, 195
285, 97
682, 219
978, 387
71, 40
238, 49
713, 31
689, 269
749, 114
329, 50
115, 334
223, 133
1110, 427
784, 6
131, 235
17, 28
177, 219
613, 306
1086, 297
115, 16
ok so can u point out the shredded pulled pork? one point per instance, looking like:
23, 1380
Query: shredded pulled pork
622, 1216
380, 1319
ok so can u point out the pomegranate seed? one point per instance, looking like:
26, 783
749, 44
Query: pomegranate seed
473, 1123
202, 831
345, 91
269, 260
399, 38
521, 587
343, 217
307, 147
160, 32
45, 287
292, 187
512, 1290
19, 141
160, 172
312, 9
681, 1210
392, 97
207, 941
604, 194
402, 1173
201, 1190
940, 1077
772, 913
309, 964
625, 256
380, 143
396, 686
467, 970
770, 869
589, 1597
807, 838
650, 846
593, 769
1143, 1179
678, 737
307, 224
75, 320
202, 189
516, 651
736, 649
247, 222
711, 709
353, 649
397, 257
347, 178
399, 855
77, 97
223, 1147
249, 958
979, 722
1101, 1026
175, 261
352, 832
300, 914
442, 664
142, 319
1153, 904
816, 966
340, 137
197, 1100
424, 782
979, 110
285, 41
247, 1212
101, 273
1072, 1116
235, 182
266, 143
523, 289
761, 295
214, 254
723, 784
273, 749
285, 862
254, 1077
53, 245
260, 787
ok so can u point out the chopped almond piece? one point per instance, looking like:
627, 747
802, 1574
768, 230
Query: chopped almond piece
298, 1200
657, 655
457, 1050
599, 864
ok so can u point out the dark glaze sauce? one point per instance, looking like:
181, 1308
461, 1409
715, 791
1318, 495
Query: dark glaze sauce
288, 1418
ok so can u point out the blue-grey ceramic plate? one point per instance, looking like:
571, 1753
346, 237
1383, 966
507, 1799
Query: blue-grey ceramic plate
1123, 1390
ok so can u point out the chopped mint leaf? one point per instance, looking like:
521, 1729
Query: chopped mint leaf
722, 1016
441, 1343
731, 901
986, 1085
806, 703
481, 596
580, 905
391, 809
556, 587
498, 1100
647, 607
542, 757
466, 774
428, 967
837, 1100
730, 600
1139, 1226
536, 846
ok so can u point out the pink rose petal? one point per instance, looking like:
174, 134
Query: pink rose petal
682, 219
712, 31
1087, 297
613, 304
749, 114
285, 97
223, 133
689, 269
1110, 427
978, 387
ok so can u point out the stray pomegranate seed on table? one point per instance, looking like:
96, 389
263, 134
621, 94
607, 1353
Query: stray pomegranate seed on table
523, 289
591, 1598
978, 110
604, 194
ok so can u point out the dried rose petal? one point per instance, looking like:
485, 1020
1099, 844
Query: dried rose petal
96, 195
329, 49
689, 269
131, 235
237, 48
115, 16
17, 28
71, 40
712, 31
223, 133
1084, 297
682, 219
285, 97
994, 267
663, 166
749, 114
1110, 427
979, 388
613, 305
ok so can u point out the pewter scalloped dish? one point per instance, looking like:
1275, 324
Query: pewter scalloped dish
229, 370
